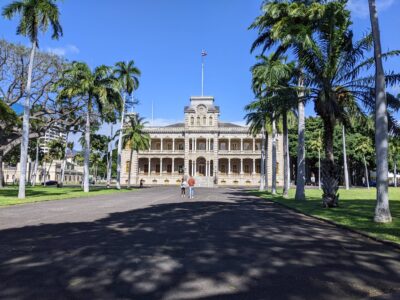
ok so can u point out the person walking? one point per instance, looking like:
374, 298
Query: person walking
191, 183
183, 187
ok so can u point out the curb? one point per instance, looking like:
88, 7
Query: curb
376, 239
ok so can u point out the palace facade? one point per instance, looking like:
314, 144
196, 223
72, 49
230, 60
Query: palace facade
215, 153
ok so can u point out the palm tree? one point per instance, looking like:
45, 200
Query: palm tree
317, 145
365, 148
127, 74
100, 91
258, 119
272, 79
68, 146
56, 151
382, 211
301, 147
109, 157
394, 154
346, 170
36, 16
331, 64
136, 138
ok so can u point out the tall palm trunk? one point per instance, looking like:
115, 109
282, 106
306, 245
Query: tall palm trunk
301, 166
130, 168
319, 169
346, 170
273, 185
120, 145
1, 170
44, 173
87, 152
25, 127
35, 169
266, 160
64, 164
366, 172
47, 172
262, 175
330, 182
382, 211
109, 163
395, 174
286, 171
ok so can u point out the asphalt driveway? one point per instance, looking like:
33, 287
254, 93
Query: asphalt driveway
152, 244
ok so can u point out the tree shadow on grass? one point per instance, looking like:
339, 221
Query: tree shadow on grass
48, 191
358, 213
245, 249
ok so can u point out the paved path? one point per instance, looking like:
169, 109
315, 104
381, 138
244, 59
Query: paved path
150, 244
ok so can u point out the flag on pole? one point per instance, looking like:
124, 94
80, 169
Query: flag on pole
203, 53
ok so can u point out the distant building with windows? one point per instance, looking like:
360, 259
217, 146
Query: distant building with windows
214, 152
51, 134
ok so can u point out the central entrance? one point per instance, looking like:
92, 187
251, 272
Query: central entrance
201, 166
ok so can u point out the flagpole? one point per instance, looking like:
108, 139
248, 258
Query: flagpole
202, 75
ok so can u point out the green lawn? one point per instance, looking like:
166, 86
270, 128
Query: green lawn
8, 195
356, 210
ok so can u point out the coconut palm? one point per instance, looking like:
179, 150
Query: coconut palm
365, 148
100, 91
127, 74
382, 211
272, 77
345, 168
317, 145
258, 119
36, 16
56, 151
331, 64
394, 155
135, 138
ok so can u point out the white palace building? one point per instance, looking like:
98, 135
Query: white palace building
214, 152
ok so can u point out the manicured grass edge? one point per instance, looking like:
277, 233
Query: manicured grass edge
341, 226
69, 198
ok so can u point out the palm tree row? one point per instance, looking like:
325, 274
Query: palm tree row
333, 72
103, 91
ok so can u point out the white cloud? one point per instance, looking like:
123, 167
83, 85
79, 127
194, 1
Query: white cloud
360, 8
62, 51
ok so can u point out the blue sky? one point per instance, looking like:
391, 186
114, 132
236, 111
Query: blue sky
165, 38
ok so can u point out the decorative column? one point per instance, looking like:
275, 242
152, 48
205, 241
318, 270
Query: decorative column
162, 146
160, 166
229, 166
194, 168
195, 144
149, 166
173, 145
241, 145
254, 166
254, 145
186, 155
229, 145
173, 166
241, 166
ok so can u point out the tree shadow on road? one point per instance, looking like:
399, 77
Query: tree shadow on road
245, 249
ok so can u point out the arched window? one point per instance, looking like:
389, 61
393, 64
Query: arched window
198, 121
192, 121
210, 121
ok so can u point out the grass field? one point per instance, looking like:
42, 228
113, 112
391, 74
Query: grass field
356, 210
8, 195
